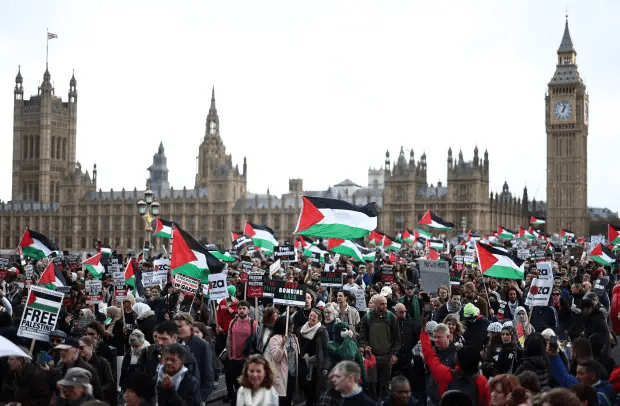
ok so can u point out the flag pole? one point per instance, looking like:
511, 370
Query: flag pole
47, 42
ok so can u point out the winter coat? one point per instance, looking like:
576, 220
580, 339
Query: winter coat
28, 389
475, 334
538, 365
544, 317
443, 374
615, 309
188, 393
279, 357
371, 334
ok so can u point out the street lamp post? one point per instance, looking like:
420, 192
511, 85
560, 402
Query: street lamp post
148, 208
464, 223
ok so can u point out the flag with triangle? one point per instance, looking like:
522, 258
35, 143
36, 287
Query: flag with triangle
537, 220
399, 237
234, 235
433, 221
525, 235
434, 243
190, 258
93, 265
105, 249
50, 278
262, 236
565, 234
602, 255
345, 247
223, 256
408, 236
163, 228
496, 262
301, 242
36, 245
130, 276
316, 249
433, 255
505, 234
334, 218
612, 235
375, 237
389, 244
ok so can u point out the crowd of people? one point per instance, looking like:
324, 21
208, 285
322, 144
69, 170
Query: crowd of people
473, 341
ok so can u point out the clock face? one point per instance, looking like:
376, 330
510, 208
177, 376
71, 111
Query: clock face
563, 110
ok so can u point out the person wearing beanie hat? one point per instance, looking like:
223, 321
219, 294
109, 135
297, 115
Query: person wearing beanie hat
495, 327
475, 327
232, 290
507, 356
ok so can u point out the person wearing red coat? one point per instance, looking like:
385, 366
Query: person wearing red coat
467, 364
615, 309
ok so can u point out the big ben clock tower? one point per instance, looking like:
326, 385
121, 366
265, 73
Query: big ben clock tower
566, 118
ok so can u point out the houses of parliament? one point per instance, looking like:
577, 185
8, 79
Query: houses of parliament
53, 194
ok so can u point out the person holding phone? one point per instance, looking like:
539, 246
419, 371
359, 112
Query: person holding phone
24, 383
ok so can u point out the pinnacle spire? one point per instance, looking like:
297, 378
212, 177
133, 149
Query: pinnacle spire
212, 99
567, 44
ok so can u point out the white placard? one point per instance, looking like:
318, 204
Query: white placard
540, 292
218, 289
41, 313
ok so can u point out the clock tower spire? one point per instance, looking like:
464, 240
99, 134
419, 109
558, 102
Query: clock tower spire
566, 118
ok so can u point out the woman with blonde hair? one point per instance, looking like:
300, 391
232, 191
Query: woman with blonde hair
456, 329
257, 380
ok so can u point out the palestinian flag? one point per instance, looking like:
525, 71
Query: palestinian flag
505, 234
549, 247
49, 278
223, 256
535, 233
389, 244
368, 255
163, 229
497, 263
36, 245
375, 237
408, 236
130, 276
602, 255
581, 240
47, 302
612, 235
421, 234
525, 235
345, 247
434, 243
399, 237
334, 218
434, 221
565, 234
316, 249
433, 255
537, 221
301, 243
190, 258
234, 235
93, 265
468, 235
262, 236
105, 249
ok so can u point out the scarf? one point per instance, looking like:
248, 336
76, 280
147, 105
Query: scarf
452, 309
176, 378
137, 352
257, 398
309, 332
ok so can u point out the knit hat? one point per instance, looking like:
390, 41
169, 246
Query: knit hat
430, 328
232, 290
386, 291
494, 327
470, 311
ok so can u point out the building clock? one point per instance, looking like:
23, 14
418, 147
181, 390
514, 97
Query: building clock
562, 110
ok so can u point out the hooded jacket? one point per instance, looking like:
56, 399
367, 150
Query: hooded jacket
146, 320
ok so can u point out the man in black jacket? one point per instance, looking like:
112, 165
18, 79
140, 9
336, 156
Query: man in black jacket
200, 349
70, 358
175, 385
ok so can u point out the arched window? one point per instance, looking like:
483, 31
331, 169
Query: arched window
57, 197
25, 146
36, 146
58, 148
52, 148
64, 149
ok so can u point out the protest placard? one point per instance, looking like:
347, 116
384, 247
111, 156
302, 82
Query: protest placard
387, 275
545, 270
269, 287
290, 294
360, 299
120, 293
523, 254
331, 276
600, 284
255, 284
540, 292
459, 263
241, 243
154, 278
161, 264
40, 314
93, 289
433, 274
285, 253
187, 284
218, 289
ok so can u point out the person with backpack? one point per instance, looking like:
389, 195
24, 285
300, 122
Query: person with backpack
464, 377
240, 329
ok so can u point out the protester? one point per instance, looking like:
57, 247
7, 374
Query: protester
239, 330
70, 358
345, 379
283, 351
75, 387
102, 368
175, 384
24, 383
256, 383
314, 360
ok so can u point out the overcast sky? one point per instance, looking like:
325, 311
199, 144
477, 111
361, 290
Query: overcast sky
317, 90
